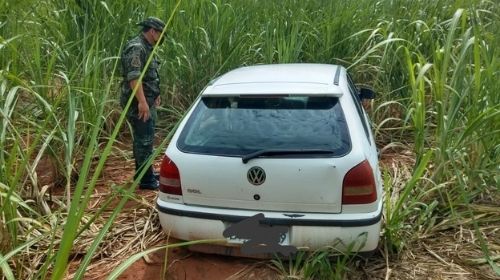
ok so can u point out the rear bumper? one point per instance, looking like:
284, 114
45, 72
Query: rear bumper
309, 231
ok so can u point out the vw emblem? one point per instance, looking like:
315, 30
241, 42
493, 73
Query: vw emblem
256, 176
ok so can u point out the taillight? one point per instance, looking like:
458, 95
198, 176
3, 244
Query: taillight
170, 180
359, 185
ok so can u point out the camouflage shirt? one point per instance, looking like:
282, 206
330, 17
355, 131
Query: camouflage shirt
134, 56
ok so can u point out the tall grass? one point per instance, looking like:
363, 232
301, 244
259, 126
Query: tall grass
74, 131
434, 66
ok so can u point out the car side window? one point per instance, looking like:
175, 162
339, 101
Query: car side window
357, 103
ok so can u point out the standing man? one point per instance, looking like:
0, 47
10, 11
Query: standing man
142, 112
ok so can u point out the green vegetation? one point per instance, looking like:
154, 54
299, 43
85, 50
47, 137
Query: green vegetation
433, 64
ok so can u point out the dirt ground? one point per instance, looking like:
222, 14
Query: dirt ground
183, 264
437, 257
179, 263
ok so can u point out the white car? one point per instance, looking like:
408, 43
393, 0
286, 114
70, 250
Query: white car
289, 141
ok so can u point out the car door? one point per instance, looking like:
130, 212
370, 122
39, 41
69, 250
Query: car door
372, 151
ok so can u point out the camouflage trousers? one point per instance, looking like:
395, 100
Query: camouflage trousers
143, 133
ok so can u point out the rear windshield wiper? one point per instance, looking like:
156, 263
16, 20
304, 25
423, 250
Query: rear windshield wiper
271, 152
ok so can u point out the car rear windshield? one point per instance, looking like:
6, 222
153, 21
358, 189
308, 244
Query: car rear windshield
236, 126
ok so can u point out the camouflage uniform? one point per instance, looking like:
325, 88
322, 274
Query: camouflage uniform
134, 56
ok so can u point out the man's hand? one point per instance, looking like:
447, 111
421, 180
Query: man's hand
144, 113
142, 104
157, 101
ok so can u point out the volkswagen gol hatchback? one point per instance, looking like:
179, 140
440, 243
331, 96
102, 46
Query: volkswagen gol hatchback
290, 141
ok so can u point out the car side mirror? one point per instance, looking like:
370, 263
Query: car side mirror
366, 93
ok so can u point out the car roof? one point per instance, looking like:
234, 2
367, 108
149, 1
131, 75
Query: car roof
293, 79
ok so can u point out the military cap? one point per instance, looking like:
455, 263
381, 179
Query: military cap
153, 22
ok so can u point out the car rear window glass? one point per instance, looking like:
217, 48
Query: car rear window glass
236, 126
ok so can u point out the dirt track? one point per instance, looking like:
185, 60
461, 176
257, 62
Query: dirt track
183, 264
431, 258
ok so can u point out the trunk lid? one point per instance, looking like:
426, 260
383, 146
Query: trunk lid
292, 185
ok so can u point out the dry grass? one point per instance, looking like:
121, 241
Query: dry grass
448, 251
447, 255
136, 228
